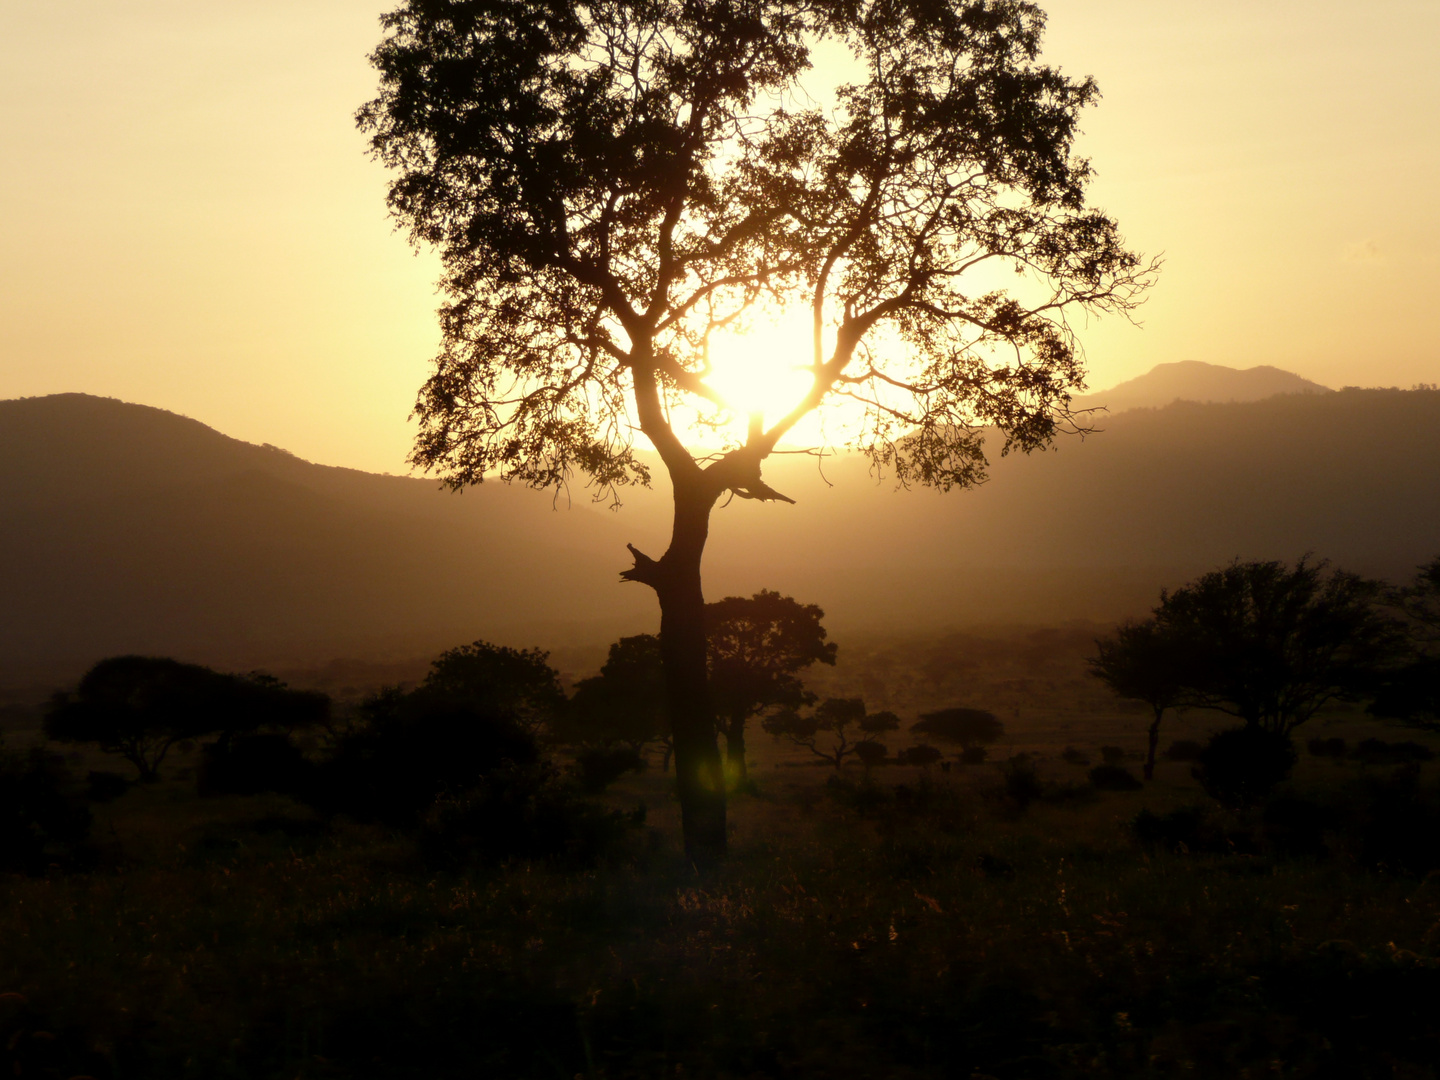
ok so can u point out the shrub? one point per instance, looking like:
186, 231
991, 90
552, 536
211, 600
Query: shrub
250, 764
1021, 784
973, 755
597, 767
1188, 828
1326, 747
1380, 752
968, 727
1184, 750
39, 824
922, 755
1111, 777
1071, 756
1398, 825
1112, 755
871, 753
1241, 766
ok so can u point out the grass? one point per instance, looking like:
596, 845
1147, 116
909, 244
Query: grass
854, 933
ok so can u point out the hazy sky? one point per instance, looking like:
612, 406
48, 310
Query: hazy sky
191, 222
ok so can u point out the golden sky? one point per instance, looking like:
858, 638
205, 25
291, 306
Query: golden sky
190, 220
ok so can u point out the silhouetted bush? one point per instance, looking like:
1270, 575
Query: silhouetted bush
968, 727
410, 749
922, 755
871, 752
1112, 755
1020, 784
1184, 750
102, 786
1326, 747
1186, 829
1114, 778
1380, 752
1397, 825
974, 755
40, 826
519, 812
250, 764
597, 767
1241, 766
1071, 756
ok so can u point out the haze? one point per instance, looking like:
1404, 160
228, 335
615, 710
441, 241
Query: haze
192, 222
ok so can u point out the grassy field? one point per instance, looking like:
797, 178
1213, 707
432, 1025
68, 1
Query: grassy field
923, 924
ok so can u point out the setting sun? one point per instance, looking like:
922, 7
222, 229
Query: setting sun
765, 370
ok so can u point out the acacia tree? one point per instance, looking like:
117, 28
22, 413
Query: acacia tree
610, 185
756, 646
838, 720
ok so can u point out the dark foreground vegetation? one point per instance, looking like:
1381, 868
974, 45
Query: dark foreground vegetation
481, 874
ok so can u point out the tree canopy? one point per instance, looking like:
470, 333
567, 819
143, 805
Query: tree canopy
968, 727
610, 187
480, 675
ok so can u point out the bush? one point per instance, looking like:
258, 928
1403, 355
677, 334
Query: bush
1326, 747
1021, 784
597, 767
39, 825
1186, 829
1380, 752
1398, 825
1112, 755
1114, 778
973, 755
924, 756
1071, 756
1241, 766
1184, 750
519, 812
250, 764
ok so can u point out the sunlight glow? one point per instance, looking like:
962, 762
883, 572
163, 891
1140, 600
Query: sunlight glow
764, 369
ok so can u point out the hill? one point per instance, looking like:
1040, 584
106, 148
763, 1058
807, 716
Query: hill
125, 528
1192, 380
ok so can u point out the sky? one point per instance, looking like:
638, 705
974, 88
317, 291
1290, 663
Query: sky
191, 220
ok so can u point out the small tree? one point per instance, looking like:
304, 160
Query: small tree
140, 706
1144, 662
923, 755
966, 727
480, 675
756, 646
870, 752
1411, 691
625, 703
829, 729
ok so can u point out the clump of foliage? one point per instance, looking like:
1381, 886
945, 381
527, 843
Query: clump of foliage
624, 705
1072, 756
1241, 766
140, 706
1379, 752
597, 767
1184, 750
965, 727
833, 729
922, 755
1411, 690
518, 682
40, 825
1110, 777
974, 755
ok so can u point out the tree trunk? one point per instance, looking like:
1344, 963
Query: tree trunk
735, 749
1154, 734
699, 774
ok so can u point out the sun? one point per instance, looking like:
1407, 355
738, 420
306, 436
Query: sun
765, 370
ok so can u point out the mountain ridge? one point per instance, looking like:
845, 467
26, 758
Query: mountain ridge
1196, 380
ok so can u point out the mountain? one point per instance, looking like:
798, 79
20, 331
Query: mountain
1192, 380
125, 528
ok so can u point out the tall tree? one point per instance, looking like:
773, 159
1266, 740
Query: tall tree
609, 186
625, 703
757, 645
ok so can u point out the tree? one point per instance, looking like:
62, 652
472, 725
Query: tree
1411, 691
968, 727
140, 706
611, 186
1271, 644
1144, 662
756, 645
625, 703
839, 718
922, 754
520, 682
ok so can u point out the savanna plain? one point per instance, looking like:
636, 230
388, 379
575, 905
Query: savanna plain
1006, 918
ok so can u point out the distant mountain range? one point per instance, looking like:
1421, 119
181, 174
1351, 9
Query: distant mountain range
1193, 380
126, 528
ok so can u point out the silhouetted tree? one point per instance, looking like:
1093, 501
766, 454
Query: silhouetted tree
923, 754
835, 720
756, 645
967, 727
1241, 766
870, 752
1144, 662
140, 706
625, 703
609, 186
480, 675
1411, 691
1271, 644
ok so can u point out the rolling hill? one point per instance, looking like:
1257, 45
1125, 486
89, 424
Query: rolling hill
126, 528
